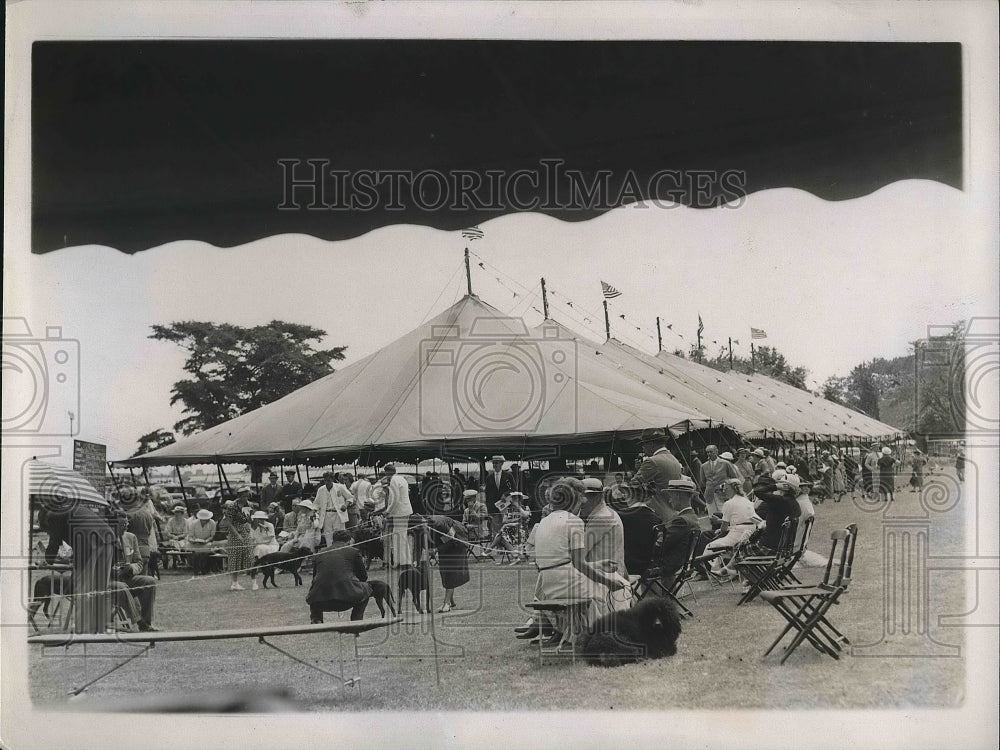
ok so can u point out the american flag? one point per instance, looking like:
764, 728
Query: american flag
609, 291
473, 233
758, 333
701, 326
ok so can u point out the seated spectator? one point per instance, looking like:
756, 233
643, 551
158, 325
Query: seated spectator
775, 502
603, 534
339, 581
806, 509
475, 516
262, 539
175, 532
513, 533
129, 584
200, 537
739, 521
563, 570
307, 532
617, 498
638, 521
677, 531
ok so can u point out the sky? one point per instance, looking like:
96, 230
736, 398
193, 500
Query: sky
832, 282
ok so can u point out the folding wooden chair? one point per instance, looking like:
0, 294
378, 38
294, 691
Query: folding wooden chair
759, 570
786, 575
650, 580
805, 608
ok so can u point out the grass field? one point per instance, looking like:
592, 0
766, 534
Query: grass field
719, 662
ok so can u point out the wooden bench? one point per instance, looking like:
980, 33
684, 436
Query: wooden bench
351, 627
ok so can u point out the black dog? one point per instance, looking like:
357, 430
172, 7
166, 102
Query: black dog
413, 580
290, 562
647, 631
153, 566
381, 593
369, 544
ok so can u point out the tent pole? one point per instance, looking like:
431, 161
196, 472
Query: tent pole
114, 479
180, 481
659, 336
545, 301
468, 273
145, 475
132, 475
218, 468
225, 478
607, 322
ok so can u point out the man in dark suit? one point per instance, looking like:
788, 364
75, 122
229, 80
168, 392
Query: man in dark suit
678, 531
655, 473
291, 490
638, 522
497, 483
339, 580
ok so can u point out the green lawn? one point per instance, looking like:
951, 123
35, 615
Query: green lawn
483, 667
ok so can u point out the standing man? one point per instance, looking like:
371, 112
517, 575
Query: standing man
869, 472
361, 489
499, 483
331, 506
271, 492
603, 533
142, 521
291, 490
714, 472
397, 511
918, 462
745, 468
655, 473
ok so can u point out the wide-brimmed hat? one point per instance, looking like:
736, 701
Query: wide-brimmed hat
727, 455
793, 480
780, 465
179, 509
259, 514
498, 458
758, 452
203, 515
517, 494
307, 504
886, 450
779, 475
470, 493
593, 485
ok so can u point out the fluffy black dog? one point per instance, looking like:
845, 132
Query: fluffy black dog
368, 543
382, 595
290, 562
647, 631
414, 580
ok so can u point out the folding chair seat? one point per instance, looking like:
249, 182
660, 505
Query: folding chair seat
805, 608
759, 570
650, 580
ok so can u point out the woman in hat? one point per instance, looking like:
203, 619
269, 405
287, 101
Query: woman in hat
561, 559
887, 474
238, 545
200, 534
451, 540
175, 532
263, 540
475, 516
306, 531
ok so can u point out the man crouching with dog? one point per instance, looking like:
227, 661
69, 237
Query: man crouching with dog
340, 580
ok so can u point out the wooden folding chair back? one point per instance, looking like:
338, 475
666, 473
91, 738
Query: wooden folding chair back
805, 608
650, 579
760, 571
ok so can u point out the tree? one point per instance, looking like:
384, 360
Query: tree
767, 361
151, 441
235, 370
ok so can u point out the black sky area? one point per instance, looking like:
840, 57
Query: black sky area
135, 144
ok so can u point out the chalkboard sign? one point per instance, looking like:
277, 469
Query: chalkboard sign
91, 460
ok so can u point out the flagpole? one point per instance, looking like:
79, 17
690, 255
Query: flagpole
607, 321
730, 354
699, 337
751, 358
468, 272
659, 336
545, 300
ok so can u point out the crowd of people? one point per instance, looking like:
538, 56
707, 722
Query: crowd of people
583, 535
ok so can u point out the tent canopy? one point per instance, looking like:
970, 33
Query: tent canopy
471, 379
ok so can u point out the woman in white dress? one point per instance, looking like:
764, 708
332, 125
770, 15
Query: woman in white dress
563, 570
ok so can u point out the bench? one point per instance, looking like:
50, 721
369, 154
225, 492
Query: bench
184, 556
150, 639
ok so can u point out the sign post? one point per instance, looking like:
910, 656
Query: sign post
91, 460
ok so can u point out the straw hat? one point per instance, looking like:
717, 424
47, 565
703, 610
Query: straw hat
593, 485
886, 450
470, 493
308, 504
727, 455
203, 515
179, 509
260, 515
